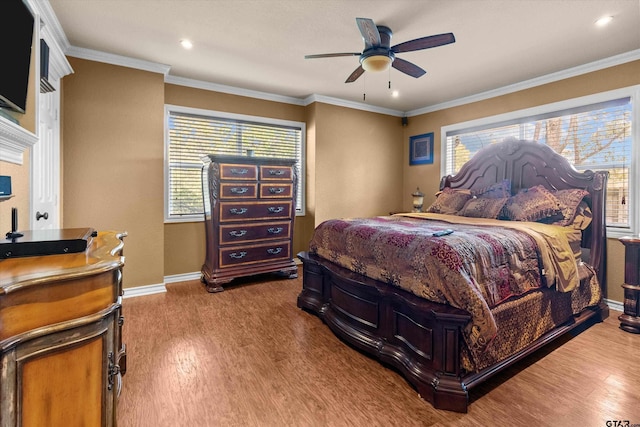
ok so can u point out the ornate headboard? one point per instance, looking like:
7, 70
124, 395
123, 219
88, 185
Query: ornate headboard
529, 163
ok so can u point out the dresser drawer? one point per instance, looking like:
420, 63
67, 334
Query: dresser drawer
273, 209
237, 233
238, 172
236, 190
280, 173
275, 190
254, 254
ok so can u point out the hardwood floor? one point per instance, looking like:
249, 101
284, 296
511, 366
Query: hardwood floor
249, 357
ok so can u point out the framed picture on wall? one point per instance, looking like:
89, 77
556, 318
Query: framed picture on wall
421, 149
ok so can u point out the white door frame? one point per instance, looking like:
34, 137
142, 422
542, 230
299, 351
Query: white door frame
45, 164
45, 212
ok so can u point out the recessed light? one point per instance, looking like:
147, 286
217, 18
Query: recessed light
604, 21
186, 44
395, 94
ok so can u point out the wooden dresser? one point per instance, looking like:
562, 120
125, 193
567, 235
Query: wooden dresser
61, 347
249, 205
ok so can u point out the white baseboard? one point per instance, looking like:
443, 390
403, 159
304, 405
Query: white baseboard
184, 277
139, 291
615, 305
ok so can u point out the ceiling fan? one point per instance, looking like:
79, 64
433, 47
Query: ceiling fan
378, 55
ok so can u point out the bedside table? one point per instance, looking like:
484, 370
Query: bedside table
630, 319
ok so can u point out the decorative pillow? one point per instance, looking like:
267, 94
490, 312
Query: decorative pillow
582, 218
483, 207
532, 204
495, 191
449, 201
569, 201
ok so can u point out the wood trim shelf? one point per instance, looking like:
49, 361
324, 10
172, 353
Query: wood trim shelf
14, 140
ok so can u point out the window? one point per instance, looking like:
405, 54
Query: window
595, 132
192, 133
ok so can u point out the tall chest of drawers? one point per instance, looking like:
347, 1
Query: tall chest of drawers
249, 205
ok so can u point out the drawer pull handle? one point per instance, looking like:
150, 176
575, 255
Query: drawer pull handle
238, 233
239, 190
236, 171
275, 230
236, 255
274, 251
274, 190
274, 209
237, 211
277, 172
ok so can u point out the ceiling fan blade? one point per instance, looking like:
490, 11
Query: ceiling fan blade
369, 32
424, 43
331, 55
354, 76
407, 67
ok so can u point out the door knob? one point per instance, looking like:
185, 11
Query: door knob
44, 215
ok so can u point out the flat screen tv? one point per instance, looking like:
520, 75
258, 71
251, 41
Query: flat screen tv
15, 51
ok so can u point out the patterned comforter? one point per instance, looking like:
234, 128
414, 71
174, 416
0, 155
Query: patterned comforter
482, 264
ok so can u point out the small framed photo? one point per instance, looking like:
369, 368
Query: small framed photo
421, 149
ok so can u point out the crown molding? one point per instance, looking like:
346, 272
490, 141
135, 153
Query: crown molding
538, 81
351, 104
50, 20
124, 61
232, 90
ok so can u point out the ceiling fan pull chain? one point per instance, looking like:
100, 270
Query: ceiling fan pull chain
364, 89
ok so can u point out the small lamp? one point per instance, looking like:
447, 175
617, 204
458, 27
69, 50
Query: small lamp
418, 200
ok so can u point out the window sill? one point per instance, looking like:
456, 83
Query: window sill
617, 233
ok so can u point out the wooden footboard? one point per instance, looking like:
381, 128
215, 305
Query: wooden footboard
419, 338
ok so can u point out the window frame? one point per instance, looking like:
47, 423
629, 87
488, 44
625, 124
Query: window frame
300, 210
632, 92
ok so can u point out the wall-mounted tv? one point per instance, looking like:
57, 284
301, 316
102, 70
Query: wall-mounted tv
15, 51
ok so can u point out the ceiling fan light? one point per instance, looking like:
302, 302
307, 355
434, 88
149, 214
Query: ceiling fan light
376, 63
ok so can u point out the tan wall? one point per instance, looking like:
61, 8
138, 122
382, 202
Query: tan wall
20, 188
428, 176
310, 195
358, 163
113, 160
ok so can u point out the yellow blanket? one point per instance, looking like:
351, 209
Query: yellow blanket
559, 263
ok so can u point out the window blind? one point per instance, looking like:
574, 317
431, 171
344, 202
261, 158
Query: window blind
596, 136
190, 136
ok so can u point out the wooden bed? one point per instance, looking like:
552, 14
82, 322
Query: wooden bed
424, 340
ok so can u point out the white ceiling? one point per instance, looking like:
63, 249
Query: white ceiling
260, 45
